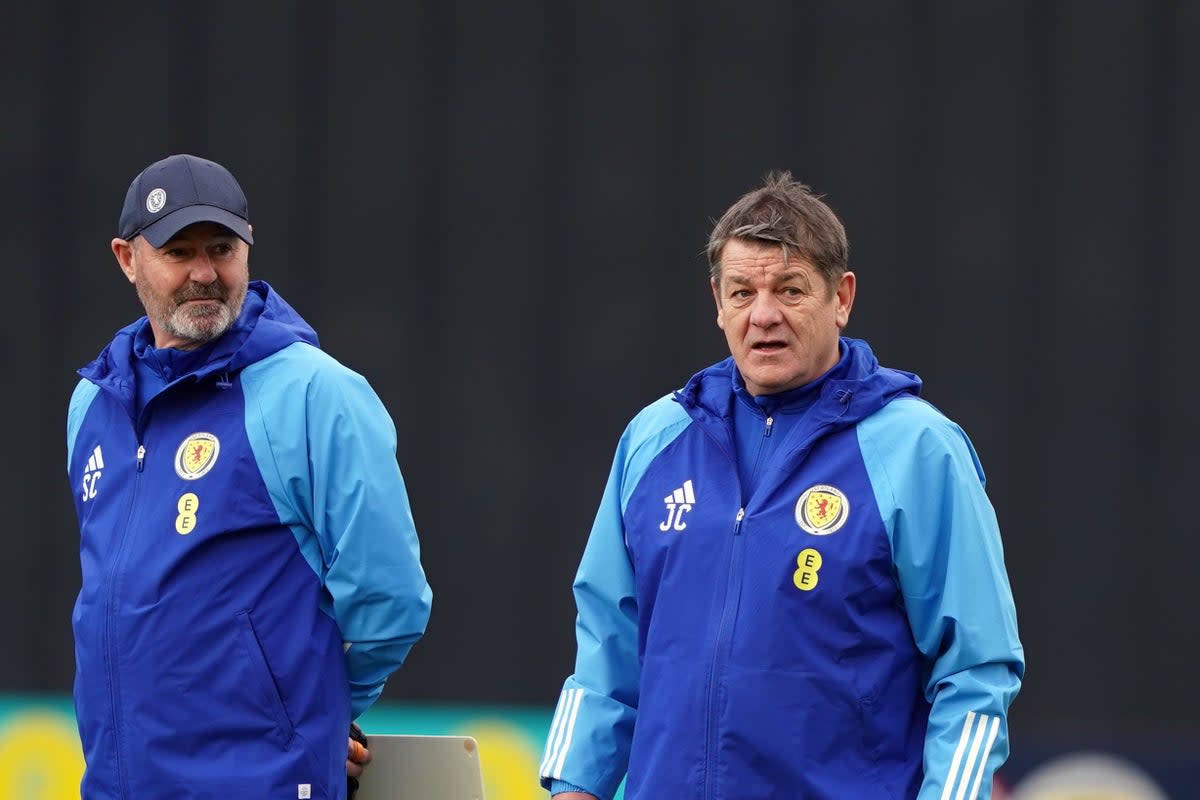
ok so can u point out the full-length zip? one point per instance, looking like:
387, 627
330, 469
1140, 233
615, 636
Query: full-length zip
733, 592
110, 648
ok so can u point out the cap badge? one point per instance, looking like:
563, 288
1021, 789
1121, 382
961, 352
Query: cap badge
822, 510
156, 200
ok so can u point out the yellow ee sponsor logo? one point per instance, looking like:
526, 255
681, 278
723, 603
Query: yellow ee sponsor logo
808, 565
185, 523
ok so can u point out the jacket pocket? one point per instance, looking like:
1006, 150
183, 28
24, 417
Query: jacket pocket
263, 687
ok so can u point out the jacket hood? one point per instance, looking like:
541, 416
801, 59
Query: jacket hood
854, 389
266, 325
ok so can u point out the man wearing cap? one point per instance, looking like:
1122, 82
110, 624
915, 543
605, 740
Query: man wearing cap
251, 573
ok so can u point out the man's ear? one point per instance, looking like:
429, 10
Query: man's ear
716, 290
123, 251
846, 287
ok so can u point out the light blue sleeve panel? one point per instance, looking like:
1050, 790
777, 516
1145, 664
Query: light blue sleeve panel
929, 487
81, 400
326, 448
592, 728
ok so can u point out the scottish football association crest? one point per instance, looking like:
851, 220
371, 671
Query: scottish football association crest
196, 456
822, 510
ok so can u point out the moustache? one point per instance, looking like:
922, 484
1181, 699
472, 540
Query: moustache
198, 292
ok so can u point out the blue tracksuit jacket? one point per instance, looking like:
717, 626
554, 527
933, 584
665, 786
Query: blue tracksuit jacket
841, 629
251, 573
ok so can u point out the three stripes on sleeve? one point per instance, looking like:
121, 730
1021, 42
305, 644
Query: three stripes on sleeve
558, 742
979, 733
963, 779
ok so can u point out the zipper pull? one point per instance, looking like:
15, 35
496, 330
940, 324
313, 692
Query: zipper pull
770, 422
141, 456
737, 521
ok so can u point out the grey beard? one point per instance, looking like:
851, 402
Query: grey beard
200, 324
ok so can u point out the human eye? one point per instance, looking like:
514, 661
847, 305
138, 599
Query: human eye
222, 248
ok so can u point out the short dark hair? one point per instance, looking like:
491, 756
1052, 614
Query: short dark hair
784, 211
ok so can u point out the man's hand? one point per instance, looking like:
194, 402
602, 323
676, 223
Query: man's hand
357, 757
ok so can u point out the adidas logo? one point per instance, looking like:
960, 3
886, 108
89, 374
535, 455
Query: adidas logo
91, 474
679, 502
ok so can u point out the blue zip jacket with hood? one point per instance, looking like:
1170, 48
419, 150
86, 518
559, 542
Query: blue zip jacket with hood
250, 567
833, 621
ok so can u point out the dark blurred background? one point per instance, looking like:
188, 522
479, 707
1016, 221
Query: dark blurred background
496, 212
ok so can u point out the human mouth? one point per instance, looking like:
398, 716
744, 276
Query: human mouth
201, 299
768, 347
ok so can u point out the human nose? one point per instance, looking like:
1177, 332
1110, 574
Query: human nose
765, 310
202, 269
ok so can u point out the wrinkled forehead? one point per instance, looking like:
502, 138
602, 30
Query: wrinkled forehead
747, 259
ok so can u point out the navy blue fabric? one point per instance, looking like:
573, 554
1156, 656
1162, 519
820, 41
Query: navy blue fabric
178, 191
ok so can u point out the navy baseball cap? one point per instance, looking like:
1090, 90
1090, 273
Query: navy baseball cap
178, 191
